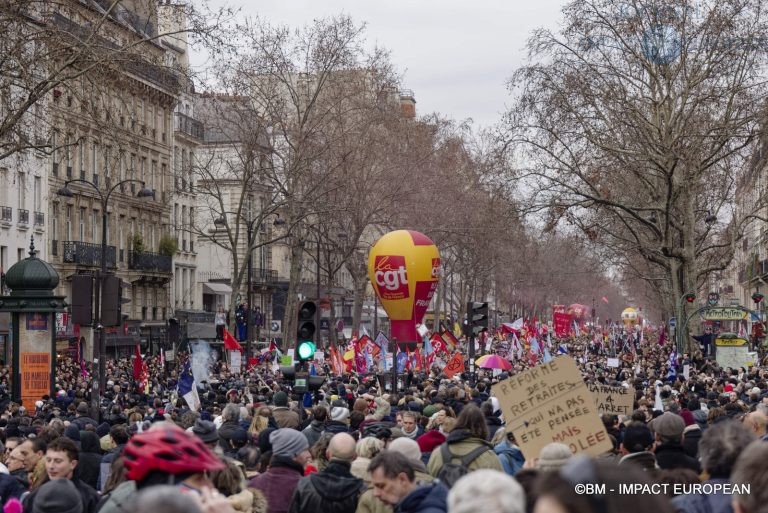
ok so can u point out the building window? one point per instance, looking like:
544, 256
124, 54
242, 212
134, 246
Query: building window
82, 224
38, 194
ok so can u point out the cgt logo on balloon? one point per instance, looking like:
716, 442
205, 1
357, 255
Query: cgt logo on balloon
391, 276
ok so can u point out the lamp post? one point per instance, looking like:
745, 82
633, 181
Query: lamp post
249, 224
100, 349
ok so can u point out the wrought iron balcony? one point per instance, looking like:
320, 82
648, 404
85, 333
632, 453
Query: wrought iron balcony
39, 219
86, 253
189, 125
6, 214
23, 216
148, 261
265, 276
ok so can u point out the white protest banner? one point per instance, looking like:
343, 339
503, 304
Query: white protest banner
687, 371
551, 403
613, 400
235, 358
613, 362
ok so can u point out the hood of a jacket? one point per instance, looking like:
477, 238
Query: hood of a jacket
425, 497
459, 435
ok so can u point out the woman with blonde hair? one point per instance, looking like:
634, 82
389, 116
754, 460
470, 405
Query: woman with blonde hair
260, 421
367, 449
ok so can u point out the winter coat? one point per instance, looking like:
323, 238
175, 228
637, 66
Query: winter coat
672, 455
510, 456
425, 499
119, 500
226, 432
105, 468
285, 418
370, 504
335, 426
704, 503
334, 490
10, 487
84, 421
89, 462
249, 500
314, 431
278, 483
494, 424
691, 438
460, 443
88, 495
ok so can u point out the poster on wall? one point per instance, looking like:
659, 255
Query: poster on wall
37, 322
35, 370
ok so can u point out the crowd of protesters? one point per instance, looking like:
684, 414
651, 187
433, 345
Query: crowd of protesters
437, 445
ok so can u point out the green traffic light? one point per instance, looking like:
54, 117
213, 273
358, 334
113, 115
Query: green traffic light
306, 350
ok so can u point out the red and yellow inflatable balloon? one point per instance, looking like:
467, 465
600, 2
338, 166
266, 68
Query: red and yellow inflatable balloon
404, 268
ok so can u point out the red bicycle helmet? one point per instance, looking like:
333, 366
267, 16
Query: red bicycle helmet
168, 449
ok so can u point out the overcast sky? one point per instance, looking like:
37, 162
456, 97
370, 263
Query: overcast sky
455, 55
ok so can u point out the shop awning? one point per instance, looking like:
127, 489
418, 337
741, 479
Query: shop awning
216, 288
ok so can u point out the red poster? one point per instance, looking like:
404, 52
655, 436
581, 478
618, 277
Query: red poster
562, 322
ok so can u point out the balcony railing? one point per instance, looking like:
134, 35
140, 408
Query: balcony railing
23, 216
86, 253
147, 261
265, 276
39, 219
189, 125
6, 214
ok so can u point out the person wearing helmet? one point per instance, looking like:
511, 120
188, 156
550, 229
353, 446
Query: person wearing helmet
164, 455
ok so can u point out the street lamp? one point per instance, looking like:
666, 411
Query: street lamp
100, 349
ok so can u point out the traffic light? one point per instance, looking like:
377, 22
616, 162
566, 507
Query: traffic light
757, 297
690, 297
305, 331
112, 302
477, 316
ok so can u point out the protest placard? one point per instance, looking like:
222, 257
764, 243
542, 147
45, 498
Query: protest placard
613, 400
551, 403
613, 362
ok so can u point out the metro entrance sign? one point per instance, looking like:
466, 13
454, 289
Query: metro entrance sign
724, 313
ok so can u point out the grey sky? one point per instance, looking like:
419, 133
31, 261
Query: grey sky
454, 54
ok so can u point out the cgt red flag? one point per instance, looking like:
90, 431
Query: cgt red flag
230, 343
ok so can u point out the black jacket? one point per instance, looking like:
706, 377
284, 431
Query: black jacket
88, 494
334, 490
672, 455
494, 424
10, 487
425, 499
314, 431
89, 464
691, 439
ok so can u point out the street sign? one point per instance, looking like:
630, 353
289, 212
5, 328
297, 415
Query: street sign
713, 298
724, 313
325, 324
672, 322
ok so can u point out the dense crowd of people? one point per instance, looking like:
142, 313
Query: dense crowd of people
693, 442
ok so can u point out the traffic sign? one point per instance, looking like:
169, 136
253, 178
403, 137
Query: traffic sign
672, 322
713, 298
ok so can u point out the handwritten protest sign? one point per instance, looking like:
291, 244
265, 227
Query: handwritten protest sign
551, 403
455, 365
613, 400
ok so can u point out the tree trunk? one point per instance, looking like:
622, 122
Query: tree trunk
291, 302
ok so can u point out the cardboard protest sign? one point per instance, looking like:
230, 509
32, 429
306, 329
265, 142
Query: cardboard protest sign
613, 400
613, 362
551, 403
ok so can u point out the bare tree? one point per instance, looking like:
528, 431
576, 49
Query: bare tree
52, 45
302, 84
633, 125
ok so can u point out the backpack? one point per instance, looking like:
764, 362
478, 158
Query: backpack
452, 472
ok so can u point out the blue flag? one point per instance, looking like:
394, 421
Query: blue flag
561, 349
187, 388
401, 359
547, 356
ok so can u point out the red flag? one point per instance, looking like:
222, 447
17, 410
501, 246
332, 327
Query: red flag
230, 342
438, 344
662, 336
137, 365
454, 365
